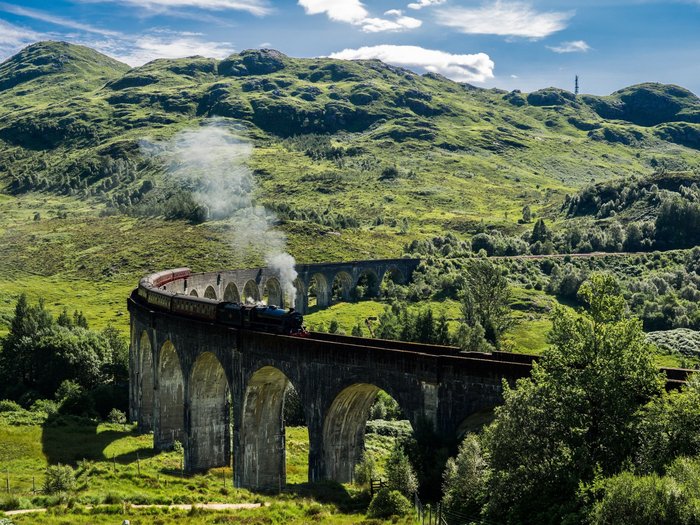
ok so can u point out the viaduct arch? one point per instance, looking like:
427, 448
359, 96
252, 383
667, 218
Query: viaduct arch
220, 390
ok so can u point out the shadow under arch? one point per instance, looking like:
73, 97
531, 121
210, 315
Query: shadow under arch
194, 293
367, 285
210, 293
273, 292
146, 383
171, 399
341, 289
251, 290
209, 400
231, 293
319, 293
344, 430
262, 433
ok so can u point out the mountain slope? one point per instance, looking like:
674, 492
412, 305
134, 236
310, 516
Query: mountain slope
53, 71
338, 144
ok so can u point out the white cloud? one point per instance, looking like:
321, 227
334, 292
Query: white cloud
255, 7
502, 17
576, 46
354, 12
151, 47
350, 11
13, 38
399, 23
420, 4
55, 20
462, 68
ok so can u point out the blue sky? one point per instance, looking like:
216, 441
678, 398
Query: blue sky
511, 44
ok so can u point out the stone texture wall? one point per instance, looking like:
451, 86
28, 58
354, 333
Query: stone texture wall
225, 372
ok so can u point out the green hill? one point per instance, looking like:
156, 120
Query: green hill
356, 159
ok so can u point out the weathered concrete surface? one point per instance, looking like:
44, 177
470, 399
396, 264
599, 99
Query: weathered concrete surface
245, 374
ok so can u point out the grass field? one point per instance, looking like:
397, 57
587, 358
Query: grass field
117, 467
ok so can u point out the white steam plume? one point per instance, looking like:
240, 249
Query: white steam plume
212, 163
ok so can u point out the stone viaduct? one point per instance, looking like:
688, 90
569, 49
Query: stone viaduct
220, 390
323, 282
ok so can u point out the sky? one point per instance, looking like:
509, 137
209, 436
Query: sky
509, 44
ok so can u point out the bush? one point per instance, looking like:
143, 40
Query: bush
10, 503
388, 503
365, 470
59, 478
399, 472
116, 416
9, 406
45, 405
632, 500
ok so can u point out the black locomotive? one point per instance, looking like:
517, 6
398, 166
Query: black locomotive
262, 318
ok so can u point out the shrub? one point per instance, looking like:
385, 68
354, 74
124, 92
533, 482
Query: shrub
9, 406
399, 472
365, 470
388, 503
10, 503
59, 478
116, 416
47, 406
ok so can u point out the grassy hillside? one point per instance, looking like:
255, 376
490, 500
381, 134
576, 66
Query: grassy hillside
357, 159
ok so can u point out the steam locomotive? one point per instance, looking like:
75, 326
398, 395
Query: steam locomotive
154, 291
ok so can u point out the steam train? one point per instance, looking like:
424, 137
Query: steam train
154, 291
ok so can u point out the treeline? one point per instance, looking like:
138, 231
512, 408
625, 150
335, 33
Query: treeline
591, 437
661, 288
61, 365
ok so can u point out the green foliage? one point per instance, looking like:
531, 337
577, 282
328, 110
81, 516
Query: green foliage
365, 470
63, 359
59, 479
385, 407
486, 300
632, 500
399, 472
116, 416
669, 428
576, 415
6, 405
464, 479
387, 503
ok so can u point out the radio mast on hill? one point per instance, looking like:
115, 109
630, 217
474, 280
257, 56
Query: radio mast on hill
576, 86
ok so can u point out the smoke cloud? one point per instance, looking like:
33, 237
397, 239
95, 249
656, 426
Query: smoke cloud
212, 163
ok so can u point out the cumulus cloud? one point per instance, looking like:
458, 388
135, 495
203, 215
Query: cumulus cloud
576, 46
508, 18
399, 22
350, 11
255, 7
354, 12
462, 68
425, 3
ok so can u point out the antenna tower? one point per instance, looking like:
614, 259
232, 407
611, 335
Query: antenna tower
576, 86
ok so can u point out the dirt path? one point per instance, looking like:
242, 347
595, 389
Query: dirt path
187, 506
